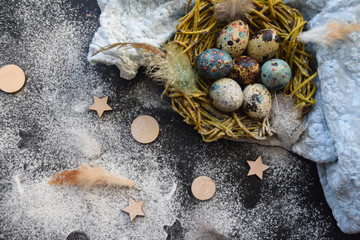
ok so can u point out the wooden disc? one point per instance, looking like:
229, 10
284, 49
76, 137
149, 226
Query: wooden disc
12, 78
145, 129
203, 188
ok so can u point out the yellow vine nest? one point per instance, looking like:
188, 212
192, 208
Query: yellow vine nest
197, 31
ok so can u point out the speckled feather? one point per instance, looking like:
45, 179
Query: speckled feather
230, 10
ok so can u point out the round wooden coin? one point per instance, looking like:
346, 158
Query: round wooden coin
145, 129
203, 188
12, 78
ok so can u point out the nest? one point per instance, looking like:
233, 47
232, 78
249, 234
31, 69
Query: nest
198, 30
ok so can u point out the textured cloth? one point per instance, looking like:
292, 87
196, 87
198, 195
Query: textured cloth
135, 21
334, 123
332, 126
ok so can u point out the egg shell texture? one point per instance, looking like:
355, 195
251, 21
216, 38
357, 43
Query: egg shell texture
213, 64
275, 74
263, 45
246, 70
234, 38
257, 101
226, 95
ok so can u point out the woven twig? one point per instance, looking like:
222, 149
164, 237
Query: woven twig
197, 31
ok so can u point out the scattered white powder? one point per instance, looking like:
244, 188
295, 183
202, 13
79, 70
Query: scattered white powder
37, 138
144, 94
85, 143
248, 208
18, 184
50, 43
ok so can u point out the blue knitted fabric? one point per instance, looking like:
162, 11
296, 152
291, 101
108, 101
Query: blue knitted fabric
333, 127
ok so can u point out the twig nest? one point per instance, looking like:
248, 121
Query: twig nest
226, 95
275, 74
263, 45
213, 64
257, 101
234, 38
246, 70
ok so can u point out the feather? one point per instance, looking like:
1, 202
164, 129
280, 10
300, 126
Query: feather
229, 10
85, 143
18, 184
328, 34
87, 177
175, 70
144, 46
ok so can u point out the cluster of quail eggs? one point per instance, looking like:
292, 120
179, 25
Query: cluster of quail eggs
231, 70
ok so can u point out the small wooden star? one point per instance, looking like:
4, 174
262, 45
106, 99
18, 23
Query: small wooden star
257, 167
134, 208
100, 105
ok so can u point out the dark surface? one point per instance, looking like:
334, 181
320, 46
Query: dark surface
180, 139
77, 235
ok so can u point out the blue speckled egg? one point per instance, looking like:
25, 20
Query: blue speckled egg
226, 95
234, 38
275, 74
257, 101
213, 64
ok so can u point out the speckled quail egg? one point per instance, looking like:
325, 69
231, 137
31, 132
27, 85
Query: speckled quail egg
257, 101
246, 70
226, 95
275, 74
213, 64
263, 45
234, 38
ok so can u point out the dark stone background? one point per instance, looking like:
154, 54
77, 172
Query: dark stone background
181, 141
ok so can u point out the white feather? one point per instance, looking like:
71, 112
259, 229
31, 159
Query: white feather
85, 143
171, 193
18, 184
328, 34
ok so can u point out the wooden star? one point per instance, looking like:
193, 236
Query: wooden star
134, 209
100, 105
257, 167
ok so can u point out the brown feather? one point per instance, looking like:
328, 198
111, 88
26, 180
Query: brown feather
144, 46
87, 177
65, 178
230, 10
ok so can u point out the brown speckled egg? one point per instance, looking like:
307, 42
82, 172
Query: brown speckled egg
246, 70
263, 45
257, 101
234, 38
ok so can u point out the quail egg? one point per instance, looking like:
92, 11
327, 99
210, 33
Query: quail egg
213, 64
275, 74
257, 101
226, 95
234, 38
263, 45
246, 70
